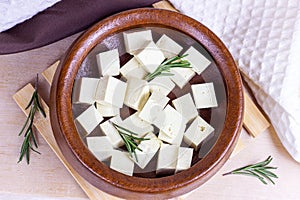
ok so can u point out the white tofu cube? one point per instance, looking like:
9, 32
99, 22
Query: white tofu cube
163, 85
137, 93
198, 62
117, 120
111, 91
185, 106
107, 110
84, 90
153, 107
135, 41
133, 69
175, 140
135, 119
121, 162
101, 147
149, 149
184, 159
167, 159
89, 119
129, 124
181, 76
171, 122
108, 63
112, 133
168, 46
204, 95
197, 132
137, 125
150, 57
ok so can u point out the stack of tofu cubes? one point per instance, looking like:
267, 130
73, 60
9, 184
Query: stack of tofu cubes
176, 121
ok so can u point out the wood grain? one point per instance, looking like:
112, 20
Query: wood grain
164, 5
50, 71
254, 121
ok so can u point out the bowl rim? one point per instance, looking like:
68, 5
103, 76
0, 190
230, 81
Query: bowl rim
97, 173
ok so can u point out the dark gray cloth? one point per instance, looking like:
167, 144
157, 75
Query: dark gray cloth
61, 20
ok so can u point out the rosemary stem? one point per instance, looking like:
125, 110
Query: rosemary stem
259, 170
165, 66
27, 128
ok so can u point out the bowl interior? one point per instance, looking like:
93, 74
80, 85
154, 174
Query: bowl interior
214, 116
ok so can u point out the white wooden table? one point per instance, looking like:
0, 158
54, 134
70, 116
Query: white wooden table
46, 177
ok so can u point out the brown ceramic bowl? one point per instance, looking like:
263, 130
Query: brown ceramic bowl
227, 117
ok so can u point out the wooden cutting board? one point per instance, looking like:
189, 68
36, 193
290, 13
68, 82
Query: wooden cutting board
254, 122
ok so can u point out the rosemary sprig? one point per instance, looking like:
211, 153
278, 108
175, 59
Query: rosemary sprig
130, 140
164, 68
29, 137
259, 170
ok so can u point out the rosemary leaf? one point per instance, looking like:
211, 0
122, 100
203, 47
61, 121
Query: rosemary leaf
39, 107
259, 170
264, 175
26, 122
124, 129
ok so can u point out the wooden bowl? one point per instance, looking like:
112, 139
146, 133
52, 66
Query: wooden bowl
97, 173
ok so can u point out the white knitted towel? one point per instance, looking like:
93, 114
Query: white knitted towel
264, 38
13, 12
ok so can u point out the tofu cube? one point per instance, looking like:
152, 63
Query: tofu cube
108, 63
137, 93
84, 90
175, 140
185, 106
112, 133
170, 121
204, 95
89, 119
168, 46
101, 147
150, 57
153, 107
184, 159
107, 110
181, 76
121, 162
198, 62
149, 149
133, 69
167, 159
137, 125
129, 124
197, 132
163, 85
117, 120
135, 41
111, 91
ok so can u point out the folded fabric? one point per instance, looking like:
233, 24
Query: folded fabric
264, 38
61, 20
13, 12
